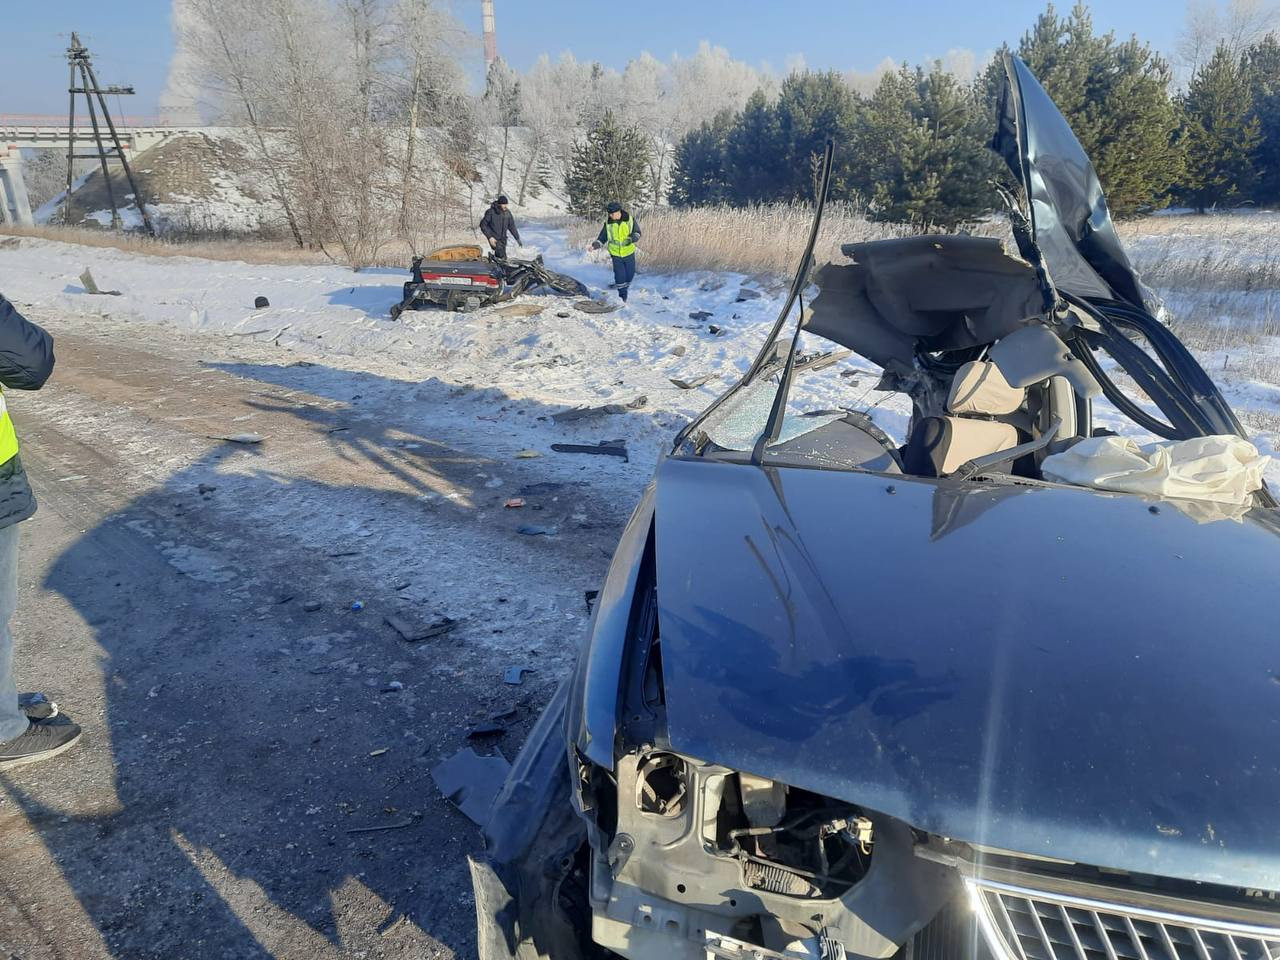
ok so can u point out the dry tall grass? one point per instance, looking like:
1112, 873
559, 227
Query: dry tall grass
754, 240
246, 249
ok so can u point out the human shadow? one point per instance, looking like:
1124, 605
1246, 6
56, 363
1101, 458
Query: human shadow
270, 781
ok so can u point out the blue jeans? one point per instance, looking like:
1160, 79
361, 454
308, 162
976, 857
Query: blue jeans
13, 721
624, 271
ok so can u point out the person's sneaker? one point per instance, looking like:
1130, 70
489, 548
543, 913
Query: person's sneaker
37, 706
43, 739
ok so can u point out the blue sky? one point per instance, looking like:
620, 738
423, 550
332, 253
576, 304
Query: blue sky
131, 41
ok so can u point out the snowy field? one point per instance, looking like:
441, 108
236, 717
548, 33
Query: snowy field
560, 358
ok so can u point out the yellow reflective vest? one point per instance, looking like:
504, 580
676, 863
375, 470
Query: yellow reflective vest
619, 233
8, 436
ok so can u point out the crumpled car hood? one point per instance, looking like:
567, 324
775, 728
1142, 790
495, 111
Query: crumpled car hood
1069, 217
1048, 671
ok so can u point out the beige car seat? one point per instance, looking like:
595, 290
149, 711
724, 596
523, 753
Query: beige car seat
985, 413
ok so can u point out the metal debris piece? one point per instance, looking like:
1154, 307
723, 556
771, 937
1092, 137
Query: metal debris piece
379, 752
701, 315
608, 409
747, 293
261, 303
608, 448
714, 330
596, 306
591, 596
514, 503
247, 438
471, 782
91, 287
417, 631
399, 825
519, 310
515, 675
692, 384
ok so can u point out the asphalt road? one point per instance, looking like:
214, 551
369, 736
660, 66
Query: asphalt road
238, 745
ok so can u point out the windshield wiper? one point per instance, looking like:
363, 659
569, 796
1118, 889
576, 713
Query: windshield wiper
773, 426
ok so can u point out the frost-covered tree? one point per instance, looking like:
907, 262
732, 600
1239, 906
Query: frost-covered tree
502, 109
610, 163
1235, 25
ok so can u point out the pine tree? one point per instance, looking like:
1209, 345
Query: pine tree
1116, 98
612, 163
698, 174
753, 156
1262, 63
813, 108
1223, 133
921, 148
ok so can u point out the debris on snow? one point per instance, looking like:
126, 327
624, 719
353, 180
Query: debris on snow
608, 448
246, 438
527, 454
311, 606
514, 503
261, 303
608, 409
701, 315
91, 286
692, 384
747, 293
519, 310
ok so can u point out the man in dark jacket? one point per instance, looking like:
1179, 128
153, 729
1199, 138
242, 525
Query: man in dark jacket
620, 233
32, 731
496, 223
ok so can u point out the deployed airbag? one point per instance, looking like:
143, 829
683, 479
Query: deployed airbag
1219, 468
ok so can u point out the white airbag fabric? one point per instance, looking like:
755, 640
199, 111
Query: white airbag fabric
1221, 469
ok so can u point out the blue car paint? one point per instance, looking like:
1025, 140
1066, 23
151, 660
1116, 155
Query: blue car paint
1049, 671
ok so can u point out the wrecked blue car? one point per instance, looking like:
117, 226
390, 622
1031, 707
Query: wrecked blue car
1005, 687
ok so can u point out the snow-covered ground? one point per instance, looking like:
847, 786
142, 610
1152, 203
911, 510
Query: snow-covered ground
559, 357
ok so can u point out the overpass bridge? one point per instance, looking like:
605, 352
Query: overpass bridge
24, 131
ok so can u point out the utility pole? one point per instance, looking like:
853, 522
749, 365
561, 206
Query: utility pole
78, 58
490, 35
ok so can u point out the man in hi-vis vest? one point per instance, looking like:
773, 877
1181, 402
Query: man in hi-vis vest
620, 233
33, 730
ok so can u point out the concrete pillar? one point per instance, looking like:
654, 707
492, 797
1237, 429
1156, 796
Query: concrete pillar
14, 205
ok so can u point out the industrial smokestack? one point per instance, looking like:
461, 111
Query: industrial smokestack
490, 35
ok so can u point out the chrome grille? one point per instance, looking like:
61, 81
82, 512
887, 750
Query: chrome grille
1025, 924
